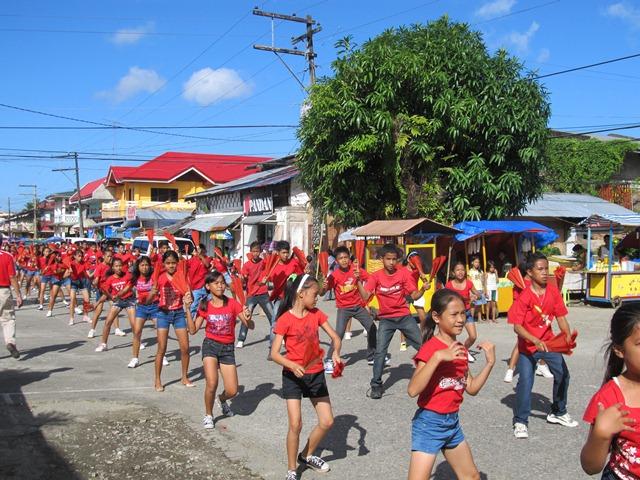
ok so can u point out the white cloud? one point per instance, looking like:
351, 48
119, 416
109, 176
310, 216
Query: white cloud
209, 86
129, 36
626, 12
543, 56
135, 81
497, 7
520, 40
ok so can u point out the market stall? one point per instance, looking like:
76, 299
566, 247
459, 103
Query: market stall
506, 242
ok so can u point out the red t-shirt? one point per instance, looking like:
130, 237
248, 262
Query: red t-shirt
221, 321
465, 292
91, 258
624, 460
517, 291
78, 271
254, 273
301, 336
126, 258
523, 312
7, 269
115, 284
100, 273
391, 291
281, 273
30, 263
169, 297
197, 271
143, 286
345, 285
443, 393
220, 265
42, 263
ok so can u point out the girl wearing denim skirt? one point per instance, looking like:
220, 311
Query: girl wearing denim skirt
441, 376
146, 306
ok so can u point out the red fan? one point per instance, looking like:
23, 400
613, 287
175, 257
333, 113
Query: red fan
559, 343
157, 271
359, 251
195, 236
300, 256
172, 240
52, 246
312, 354
436, 265
515, 275
416, 262
323, 261
179, 279
559, 273
238, 291
237, 264
338, 368
270, 263
150, 233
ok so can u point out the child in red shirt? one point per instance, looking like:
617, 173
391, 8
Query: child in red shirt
532, 315
303, 373
461, 284
219, 315
99, 278
391, 286
614, 411
79, 283
257, 293
350, 304
119, 288
441, 376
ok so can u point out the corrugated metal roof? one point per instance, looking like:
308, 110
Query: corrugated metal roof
572, 205
395, 228
212, 223
255, 180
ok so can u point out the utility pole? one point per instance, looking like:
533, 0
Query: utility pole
77, 170
9, 204
35, 209
309, 54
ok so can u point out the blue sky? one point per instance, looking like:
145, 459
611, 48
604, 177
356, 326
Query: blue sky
162, 62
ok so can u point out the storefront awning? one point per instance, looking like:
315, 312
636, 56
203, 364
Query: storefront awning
256, 219
212, 223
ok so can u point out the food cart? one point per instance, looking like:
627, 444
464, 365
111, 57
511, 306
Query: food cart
611, 281
488, 238
426, 237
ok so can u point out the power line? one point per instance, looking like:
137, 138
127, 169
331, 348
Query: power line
575, 69
107, 32
144, 127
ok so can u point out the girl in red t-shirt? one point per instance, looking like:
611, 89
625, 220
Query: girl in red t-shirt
79, 283
614, 411
441, 376
463, 286
56, 270
119, 289
298, 321
219, 317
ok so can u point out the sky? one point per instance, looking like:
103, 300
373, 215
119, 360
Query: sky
166, 63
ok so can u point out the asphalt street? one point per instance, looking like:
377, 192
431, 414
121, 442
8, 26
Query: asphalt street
370, 439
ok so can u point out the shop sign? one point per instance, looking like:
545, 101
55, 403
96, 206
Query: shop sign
132, 213
258, 204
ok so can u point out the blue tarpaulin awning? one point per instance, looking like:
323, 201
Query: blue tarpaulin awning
541, 234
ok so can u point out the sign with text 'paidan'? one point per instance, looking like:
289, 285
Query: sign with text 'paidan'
258, 204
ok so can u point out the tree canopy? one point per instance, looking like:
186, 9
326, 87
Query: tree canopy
581, 166
422, 120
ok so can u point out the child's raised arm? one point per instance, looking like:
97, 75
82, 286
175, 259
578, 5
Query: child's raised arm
424, 371
474, 384
335, 339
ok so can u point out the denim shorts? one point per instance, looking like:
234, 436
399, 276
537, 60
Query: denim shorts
147, 312
55, 281
124, 304
177, 318
30, 273
82, 284
432, 431
65, 281
223, 352
470, 318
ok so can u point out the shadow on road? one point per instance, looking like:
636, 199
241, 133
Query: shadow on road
336, 439
445, 472
58, 348
246, 402
25, 453
539, 403
401, 372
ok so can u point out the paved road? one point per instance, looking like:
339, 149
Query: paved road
371, 439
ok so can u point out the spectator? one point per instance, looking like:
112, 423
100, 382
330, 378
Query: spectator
8, 279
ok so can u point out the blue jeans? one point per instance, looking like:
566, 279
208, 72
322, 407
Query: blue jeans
275, 305
526, 369
198, 295
267, 308
386, 329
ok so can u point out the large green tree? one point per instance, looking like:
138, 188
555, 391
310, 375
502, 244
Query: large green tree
423, 120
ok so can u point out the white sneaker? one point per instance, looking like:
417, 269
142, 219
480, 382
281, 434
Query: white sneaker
78, 310
564, 420
40, 307
102, 347
207, 422
143, 345
65, 303
520, 430
347, 335
46, 298
86, 319
165, 361
328, 366
508, 377
542, 370
240, 344
133, 363
470, 357
91, 334
119, 333
49, 313
71, 321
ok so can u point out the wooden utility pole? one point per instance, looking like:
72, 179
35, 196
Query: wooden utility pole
35, 209
76, 169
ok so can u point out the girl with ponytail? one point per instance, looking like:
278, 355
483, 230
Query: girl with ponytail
298, 322
615, 409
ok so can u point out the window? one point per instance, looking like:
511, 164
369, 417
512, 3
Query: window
130, 195
164, 194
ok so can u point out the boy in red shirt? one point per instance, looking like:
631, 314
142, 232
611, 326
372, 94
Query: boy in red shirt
391, 285
350, 304
532, 314
197, 268
257, 293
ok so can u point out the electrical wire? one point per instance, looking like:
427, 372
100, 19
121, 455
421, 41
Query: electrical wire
583, 67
